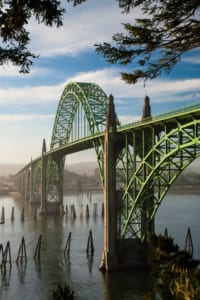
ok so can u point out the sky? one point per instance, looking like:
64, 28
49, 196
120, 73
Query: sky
28, 102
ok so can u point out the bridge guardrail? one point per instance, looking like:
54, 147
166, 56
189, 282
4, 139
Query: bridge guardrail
170, 113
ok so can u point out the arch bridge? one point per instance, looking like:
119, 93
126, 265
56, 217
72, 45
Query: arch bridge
148, 157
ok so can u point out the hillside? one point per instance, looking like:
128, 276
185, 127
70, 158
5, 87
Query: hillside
9, 169
86, 175
86, 168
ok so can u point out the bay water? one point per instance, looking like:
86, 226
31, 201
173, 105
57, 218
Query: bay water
37, 279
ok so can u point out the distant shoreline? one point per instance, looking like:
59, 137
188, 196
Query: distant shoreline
184, 189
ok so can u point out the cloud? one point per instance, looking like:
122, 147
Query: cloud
174, 90
23, 150
28, 105
12, 118
192, 60
160, 90
27, 95
83, 26
129, 119
9, 70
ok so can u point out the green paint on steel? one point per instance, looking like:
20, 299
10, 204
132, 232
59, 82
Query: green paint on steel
175, 145
81, 113
150, 154
93, 102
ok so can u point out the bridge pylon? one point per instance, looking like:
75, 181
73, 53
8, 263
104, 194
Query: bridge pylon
43, 207
109, 253
51, 184
138, 163
118, 252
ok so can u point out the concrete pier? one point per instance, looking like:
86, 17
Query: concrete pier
120, 253
43, 187
109, 254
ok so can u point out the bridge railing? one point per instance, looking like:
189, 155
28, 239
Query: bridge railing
181, 110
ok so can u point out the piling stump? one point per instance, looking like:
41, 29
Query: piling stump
38, 249
12, 214
90, 244
22, 257
67, 246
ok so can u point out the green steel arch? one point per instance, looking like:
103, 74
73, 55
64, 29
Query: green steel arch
166, 152
81, 113
93, 102
149, 154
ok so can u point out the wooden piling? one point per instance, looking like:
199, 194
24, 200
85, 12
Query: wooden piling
102, 210
67, 246
81, 210
1, 251
188, 242
166, 234
90, 244
22, 214
38, 249
66, 213
35, 213
2, 215
95, 210
87, 211
22, 257
6, 258
73, 212
12, 214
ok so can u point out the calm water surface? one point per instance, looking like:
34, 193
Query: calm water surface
37, 280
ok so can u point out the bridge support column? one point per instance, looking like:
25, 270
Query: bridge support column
147, 227
31, 182
26, 193
109, 253
43, 206
60, 187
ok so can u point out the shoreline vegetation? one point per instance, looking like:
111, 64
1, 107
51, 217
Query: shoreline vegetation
88, 180
182, 189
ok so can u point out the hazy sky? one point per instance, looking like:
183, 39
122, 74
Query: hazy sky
28, 103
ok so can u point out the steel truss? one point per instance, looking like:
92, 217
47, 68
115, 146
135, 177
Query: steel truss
149, 154
35, 180
152, 157
81, 113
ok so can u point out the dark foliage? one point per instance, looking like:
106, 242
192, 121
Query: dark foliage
14, 15
176, 273
63, 292
155, 42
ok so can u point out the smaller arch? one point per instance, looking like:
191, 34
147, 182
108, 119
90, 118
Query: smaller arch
92, 100
184, 148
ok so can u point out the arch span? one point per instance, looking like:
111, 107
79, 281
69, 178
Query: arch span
81, 113
88, 97
164, 156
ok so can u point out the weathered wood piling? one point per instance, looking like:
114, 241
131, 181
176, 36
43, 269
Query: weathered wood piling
189, 243
12, 214
90, 244
2, 215
22, 257
38, 249
6, 256
67, 245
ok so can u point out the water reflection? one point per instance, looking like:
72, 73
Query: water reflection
78, 269
5, 277
90, 260
123, 285
21, 268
